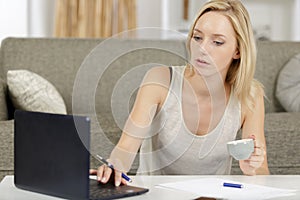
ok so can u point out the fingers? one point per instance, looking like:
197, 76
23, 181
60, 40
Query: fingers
257, 144
257, 157
93, 172
123, 181
104, 172
252, 137
118, 177
259, 149
247, 168
256, 161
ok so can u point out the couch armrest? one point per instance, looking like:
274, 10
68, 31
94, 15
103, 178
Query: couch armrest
6, 147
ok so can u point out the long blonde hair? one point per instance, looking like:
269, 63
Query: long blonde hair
241, 71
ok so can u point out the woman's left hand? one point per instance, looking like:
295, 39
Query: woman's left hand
255, 161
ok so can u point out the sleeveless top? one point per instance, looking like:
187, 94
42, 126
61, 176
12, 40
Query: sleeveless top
172, 149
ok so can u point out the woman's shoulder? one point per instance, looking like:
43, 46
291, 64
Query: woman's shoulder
159, 74
256, 92
158, 79
257, 89
155, 85
256, 99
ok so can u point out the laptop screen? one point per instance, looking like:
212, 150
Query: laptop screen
50, 157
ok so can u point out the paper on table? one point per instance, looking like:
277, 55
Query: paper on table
213, 187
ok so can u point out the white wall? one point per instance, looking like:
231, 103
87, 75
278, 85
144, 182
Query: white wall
296, 21
275, 14
41, 18
35, 18
13, 18
149, 13
26, 18
275, 19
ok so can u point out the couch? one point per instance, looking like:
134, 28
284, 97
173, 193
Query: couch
121, 62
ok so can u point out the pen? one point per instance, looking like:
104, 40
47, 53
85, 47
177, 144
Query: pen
112, 167
233, 185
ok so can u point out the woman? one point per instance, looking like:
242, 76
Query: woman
184, 115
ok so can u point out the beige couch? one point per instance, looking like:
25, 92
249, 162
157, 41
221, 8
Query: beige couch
59, 60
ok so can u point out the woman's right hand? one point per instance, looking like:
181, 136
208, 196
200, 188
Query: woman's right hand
104, 174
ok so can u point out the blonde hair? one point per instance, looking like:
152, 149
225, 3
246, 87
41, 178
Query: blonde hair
241, 71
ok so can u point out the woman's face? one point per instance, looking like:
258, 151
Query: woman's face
213, 44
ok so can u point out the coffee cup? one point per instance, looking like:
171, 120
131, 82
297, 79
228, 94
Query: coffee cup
241, 149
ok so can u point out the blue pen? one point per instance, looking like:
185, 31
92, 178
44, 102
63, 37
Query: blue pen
233, 185
112, 167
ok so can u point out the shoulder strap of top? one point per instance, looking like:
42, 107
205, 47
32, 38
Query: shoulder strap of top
171, 73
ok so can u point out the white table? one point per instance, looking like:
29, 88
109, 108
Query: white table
9, 191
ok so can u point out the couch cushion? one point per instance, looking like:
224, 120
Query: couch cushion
288, 85
282, 131
271, 57
32, 92
3, 105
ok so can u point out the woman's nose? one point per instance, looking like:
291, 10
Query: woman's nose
203, 47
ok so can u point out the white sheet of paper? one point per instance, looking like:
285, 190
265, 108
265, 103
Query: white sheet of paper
213, 187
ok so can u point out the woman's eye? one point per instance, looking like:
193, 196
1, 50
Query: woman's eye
218, 43
197, 38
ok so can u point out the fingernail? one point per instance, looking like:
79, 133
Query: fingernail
103, 179
117, 183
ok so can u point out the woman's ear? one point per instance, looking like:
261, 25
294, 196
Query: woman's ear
236, 54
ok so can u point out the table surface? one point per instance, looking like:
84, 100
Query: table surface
9, 191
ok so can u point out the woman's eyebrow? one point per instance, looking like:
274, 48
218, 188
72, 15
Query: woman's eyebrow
219, 35
215, 34
197, 30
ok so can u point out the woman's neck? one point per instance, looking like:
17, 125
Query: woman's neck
212, 86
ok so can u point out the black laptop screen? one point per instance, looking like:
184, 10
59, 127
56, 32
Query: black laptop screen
50, 157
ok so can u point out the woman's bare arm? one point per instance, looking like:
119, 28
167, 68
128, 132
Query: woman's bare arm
253, 127
150, 96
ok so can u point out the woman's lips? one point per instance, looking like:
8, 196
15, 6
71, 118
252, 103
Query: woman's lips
202, 62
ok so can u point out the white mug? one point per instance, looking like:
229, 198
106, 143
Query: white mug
241, 149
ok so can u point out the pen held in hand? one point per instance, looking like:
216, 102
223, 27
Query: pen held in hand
112, 167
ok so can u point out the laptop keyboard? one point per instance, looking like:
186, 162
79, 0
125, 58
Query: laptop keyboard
108, 191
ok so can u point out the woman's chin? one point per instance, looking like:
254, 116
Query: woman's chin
205, 71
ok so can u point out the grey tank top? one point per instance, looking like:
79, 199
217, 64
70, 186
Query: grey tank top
171, 149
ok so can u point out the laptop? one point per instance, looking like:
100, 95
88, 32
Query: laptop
51, 156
